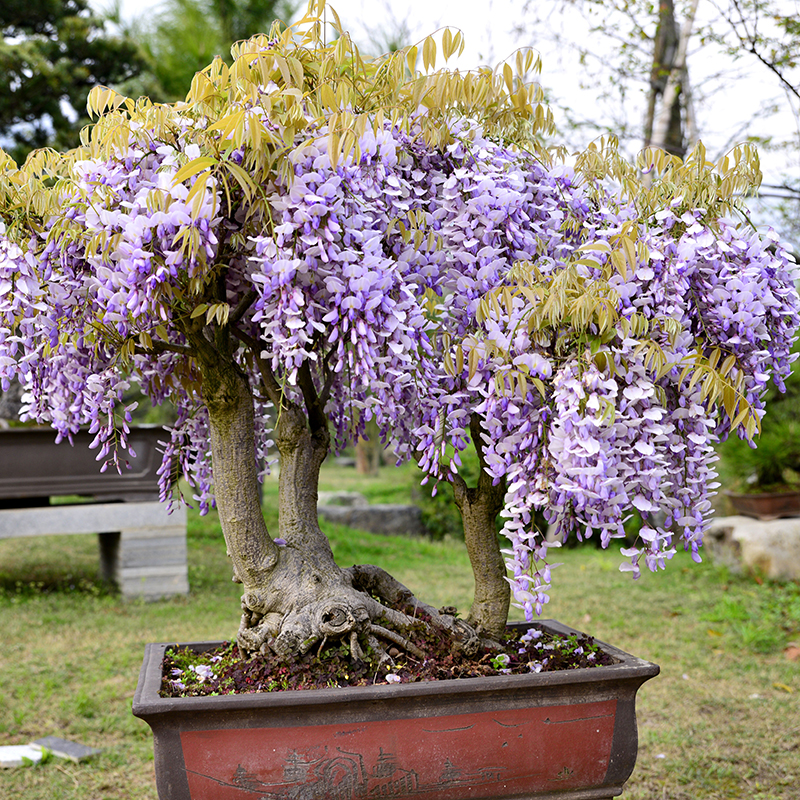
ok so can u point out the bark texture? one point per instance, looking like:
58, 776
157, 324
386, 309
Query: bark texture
227, 396
670, 120
479, 507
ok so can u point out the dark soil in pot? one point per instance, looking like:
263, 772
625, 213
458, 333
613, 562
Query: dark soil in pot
222, 670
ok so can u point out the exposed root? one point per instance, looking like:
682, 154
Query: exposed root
377, 647
379, 583
468, 640
257, 631
356, 653
368, 608
397, 639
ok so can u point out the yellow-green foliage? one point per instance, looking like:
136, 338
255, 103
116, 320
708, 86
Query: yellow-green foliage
312, 84
585, 308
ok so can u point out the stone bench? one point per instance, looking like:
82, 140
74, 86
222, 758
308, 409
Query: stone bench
142, 547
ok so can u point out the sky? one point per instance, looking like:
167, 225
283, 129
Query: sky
489, 30
487, 24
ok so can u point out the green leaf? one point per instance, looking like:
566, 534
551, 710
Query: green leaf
192, 168
242, 178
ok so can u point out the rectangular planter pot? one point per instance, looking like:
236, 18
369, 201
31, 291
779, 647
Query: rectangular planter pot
766, 506
568, 735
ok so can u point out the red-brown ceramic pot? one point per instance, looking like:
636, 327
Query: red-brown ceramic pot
569, 735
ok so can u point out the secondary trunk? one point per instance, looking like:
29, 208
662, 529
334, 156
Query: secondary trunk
479, 507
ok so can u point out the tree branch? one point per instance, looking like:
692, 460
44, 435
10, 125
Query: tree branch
330, 376
476, 436
247, 300
271, 386
314, 405
158, 346
748, 42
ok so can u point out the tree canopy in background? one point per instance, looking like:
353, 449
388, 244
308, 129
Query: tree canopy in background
671, 73
183, 37
52, 53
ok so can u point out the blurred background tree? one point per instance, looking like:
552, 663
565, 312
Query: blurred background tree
180, 37
658, 73
52, 53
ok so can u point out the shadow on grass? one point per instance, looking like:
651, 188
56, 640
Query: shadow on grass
51, 579
51, 565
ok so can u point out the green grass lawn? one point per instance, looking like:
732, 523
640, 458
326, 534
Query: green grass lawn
722, 721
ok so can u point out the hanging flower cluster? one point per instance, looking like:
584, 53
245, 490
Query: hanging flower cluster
625, 422
338, 290
412, 281
82, 305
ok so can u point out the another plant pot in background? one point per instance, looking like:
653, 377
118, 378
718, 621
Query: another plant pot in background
569, 735
766, 505
33, 467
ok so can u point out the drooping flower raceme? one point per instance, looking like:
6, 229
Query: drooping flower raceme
81, 307
388, 279
617, 429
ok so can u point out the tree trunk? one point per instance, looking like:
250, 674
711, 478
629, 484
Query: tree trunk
479, 508
294, 593
665, 48
229, 401
667, 127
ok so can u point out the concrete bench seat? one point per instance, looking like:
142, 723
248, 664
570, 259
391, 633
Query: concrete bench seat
142, 547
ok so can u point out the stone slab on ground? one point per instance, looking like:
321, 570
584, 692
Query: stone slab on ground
342, 499
63, 748
15, 755
388, 519
771, 548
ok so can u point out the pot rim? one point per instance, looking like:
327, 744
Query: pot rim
147, 702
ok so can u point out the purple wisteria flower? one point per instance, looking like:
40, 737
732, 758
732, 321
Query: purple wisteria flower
390, 279
203, 672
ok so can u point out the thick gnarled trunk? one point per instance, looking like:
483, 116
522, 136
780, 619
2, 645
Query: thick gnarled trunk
287, 590
294, 594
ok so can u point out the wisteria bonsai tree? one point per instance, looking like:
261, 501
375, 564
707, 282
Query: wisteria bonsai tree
313, 240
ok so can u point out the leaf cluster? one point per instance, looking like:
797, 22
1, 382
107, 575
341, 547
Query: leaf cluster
658, 180
576, 305
579, 316
283, 91
183, 37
